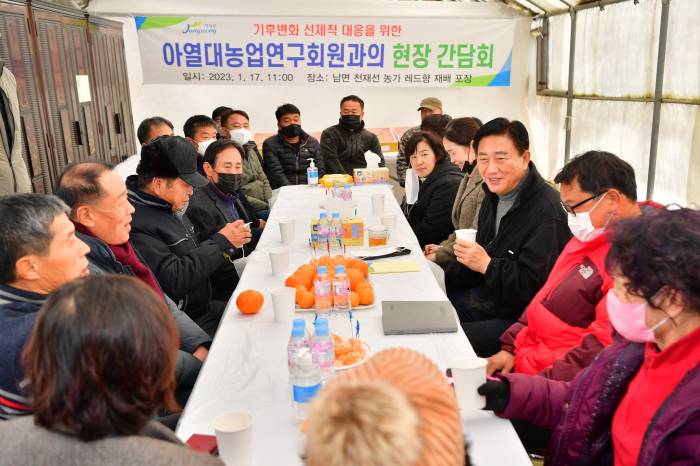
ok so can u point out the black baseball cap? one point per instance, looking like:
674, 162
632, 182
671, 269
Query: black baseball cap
171, 157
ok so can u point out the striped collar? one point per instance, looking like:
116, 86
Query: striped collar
9, 294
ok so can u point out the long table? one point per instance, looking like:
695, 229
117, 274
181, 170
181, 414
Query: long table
247, 364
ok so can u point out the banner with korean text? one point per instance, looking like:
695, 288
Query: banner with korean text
390, 52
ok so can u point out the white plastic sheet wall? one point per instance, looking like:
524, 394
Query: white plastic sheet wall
616, 55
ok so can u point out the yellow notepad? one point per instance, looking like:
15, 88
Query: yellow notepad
394, 266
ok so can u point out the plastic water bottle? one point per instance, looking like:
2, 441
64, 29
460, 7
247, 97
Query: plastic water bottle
322, 350
341, 290
306, 382
347, 193
296, 342
322, 290
335, 237
323, 233
312, 173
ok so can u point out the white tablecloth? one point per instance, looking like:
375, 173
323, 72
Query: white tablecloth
247, 364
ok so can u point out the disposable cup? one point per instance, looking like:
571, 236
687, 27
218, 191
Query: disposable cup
378, 204
234, 438
287, 231
468, 375
279, 258
466, 234
283, 303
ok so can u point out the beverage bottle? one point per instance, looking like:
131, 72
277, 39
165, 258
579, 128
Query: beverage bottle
323, 231
347, 192
335, 237
306, 382
296, 342
341, 290
322, 350
312, 173
322, 290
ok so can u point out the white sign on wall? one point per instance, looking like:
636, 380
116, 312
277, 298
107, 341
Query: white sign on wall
390, 52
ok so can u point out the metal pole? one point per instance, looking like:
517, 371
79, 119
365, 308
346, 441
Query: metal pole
543, 56
584, 6
570, 88
658, 91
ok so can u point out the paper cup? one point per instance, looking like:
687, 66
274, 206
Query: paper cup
378, 204
234, 438
279, 258
466, 234
283, 303
287, 231
468, 375
389, 221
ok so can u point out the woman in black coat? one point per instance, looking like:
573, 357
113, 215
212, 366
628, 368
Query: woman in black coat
431, 215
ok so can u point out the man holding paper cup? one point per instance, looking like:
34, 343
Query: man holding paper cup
522, 230
566, 325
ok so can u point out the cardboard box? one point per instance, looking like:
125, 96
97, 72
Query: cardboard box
371, 175
354, 232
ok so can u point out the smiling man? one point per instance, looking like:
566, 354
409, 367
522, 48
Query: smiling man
40, 253
566, 325
522, 230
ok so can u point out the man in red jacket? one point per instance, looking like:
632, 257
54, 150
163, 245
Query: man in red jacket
566, 324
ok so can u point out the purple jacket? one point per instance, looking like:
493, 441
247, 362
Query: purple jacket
580, 412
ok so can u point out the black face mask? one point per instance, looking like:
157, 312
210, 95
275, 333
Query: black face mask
229, 183
291, 131
469, 167
350, 121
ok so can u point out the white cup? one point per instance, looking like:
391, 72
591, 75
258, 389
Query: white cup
467, 234
389, 221
283, 303
279, 258
468, 375
378, 204
287, 231
234, 438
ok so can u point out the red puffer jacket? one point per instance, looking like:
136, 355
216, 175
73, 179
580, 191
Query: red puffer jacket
566, 324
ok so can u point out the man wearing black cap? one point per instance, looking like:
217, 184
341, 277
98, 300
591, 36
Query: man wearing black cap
165, 237
428, 106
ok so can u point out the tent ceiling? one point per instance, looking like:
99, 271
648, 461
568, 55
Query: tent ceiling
535, 7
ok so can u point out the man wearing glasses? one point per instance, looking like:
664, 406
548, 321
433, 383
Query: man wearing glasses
566, 324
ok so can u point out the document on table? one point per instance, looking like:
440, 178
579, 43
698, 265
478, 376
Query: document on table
394, 266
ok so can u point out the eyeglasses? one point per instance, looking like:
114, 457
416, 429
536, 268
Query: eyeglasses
571, 209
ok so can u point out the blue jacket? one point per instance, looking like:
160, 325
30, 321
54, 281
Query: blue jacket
18, 312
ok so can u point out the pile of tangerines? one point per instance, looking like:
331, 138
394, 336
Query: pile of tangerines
361, 292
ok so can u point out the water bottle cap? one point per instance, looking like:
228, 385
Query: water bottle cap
299, 322
322, 327
336, 215
298, 331
324, 215
322, 269
321, 321
339, 269
347, 185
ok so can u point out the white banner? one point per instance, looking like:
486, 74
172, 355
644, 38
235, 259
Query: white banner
250, 50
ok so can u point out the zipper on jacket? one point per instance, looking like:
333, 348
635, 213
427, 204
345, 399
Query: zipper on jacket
658, 413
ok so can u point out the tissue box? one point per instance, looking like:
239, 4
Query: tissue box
353, 232
371, 175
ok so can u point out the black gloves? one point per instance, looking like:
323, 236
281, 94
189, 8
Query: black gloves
497, 395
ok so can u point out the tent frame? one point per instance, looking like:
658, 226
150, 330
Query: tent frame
542, 33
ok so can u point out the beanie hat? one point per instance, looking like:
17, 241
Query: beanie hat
428, 393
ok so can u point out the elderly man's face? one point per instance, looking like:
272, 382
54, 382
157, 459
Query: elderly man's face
109, 217
501, 165
66, 259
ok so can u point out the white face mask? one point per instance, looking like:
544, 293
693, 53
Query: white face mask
582, 227
241, 135
202, 146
